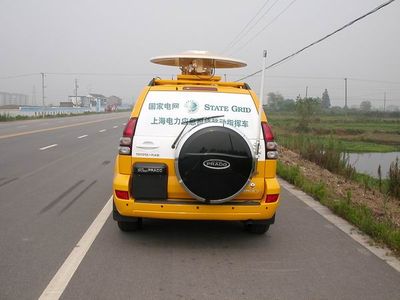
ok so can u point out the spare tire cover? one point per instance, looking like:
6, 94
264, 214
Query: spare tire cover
214, 163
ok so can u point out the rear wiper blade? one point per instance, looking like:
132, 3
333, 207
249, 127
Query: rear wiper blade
192, 121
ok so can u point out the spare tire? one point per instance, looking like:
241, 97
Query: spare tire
214, 163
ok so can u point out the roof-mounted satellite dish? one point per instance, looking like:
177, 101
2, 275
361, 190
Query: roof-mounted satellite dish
198, 62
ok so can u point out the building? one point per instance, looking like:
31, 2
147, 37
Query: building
114, 100
13, 99
79, 101
66, 104
97, 100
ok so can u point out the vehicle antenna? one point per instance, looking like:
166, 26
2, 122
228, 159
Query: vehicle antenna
260, 108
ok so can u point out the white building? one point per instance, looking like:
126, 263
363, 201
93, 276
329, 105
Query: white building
13, 99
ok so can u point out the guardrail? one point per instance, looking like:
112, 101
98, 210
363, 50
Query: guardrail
39, 111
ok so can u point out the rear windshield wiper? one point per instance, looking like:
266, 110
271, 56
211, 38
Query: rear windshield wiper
186, 123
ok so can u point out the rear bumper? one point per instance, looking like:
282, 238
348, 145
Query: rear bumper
189, 210
228, 212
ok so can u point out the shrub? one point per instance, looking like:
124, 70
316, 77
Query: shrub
394, 179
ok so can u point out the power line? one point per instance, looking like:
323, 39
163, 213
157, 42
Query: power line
299, 77
326, 78
251, 27
245, 27
106, 74
321, 39
266, 26
376, 81
85, 74
19, 76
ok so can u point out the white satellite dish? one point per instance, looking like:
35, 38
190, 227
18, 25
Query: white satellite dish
198, 62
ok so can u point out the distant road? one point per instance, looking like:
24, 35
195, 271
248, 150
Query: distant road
56, 177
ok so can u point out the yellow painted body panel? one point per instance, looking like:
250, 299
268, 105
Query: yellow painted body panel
196, 212
181, 208
181, 205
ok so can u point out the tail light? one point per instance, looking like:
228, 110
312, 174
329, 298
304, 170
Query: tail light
125, 142
122, 194
270, 145
271, 198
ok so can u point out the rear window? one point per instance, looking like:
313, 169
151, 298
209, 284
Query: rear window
164, 112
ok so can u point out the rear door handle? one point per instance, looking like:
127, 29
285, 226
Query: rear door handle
147, 145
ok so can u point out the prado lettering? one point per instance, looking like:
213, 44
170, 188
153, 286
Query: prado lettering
216, 164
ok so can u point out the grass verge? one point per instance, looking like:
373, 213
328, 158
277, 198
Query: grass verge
330, 154
381, 230
353, 146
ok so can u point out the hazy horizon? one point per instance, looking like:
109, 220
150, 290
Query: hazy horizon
113, 41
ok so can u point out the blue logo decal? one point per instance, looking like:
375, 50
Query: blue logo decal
191, 106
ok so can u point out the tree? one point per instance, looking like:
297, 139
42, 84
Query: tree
274, 100
326, 101
306, 109
288, 105
365, 106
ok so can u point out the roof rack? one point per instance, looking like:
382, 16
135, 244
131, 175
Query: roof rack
197, 62
196, 80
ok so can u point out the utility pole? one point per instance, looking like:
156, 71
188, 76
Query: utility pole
306, 91
384, 101
76, 91
33, 96
43, 86
225, 76
345, 93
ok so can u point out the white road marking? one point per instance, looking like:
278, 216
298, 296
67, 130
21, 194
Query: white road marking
82, 136
383, 253
102, 130
116, 126
57, 285
123, 124
54, 128
48, 147
22, 126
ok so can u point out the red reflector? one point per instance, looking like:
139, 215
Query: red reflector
129, 129
268, 135
272, 198
122, 194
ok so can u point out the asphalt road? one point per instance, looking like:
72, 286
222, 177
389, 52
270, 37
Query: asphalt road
55, 178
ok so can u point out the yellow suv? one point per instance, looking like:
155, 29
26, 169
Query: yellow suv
196, 148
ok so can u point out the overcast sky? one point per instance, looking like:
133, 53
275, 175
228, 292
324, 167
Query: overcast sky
119, 37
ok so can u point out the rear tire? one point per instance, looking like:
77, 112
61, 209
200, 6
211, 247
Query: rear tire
257, 228
130, 226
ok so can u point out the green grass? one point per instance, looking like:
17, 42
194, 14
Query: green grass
327, 153
357, 133
381, 230
347, 145
362, 147
394, 179
7, 117
326, 138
